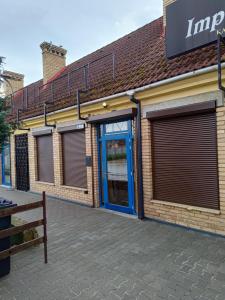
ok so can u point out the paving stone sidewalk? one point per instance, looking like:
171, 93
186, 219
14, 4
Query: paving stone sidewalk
101, 256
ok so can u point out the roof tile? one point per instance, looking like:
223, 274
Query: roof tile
139, 60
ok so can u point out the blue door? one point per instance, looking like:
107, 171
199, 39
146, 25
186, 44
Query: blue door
116, 165
6, 165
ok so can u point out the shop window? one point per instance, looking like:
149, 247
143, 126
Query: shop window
74, 159
45, 164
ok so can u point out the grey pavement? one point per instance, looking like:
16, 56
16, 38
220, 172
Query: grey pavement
102, 256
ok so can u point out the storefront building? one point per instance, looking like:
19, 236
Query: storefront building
127, 129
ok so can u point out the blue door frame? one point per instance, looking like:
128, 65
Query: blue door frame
103, 138
6, 178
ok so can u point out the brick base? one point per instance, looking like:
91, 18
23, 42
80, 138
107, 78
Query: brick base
199, 218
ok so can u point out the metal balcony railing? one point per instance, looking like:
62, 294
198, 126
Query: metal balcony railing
89, 76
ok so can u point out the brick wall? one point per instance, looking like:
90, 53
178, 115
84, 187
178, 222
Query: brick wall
199, 218
16, 82
95, 167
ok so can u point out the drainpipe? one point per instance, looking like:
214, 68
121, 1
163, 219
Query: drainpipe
18, 120
139, 157
45, 116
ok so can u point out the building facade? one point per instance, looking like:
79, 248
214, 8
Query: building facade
127, 130
14, 82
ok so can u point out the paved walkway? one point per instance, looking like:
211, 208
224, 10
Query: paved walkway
101, 256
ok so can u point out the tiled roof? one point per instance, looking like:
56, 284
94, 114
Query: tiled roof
139, 60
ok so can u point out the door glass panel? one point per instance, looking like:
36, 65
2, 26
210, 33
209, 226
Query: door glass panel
117, 172
116, 127
7, 165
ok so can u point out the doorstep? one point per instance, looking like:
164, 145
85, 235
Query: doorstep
113, 212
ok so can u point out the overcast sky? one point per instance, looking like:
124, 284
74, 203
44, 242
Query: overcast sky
81, 26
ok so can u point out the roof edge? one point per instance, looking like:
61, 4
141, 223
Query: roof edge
139, 89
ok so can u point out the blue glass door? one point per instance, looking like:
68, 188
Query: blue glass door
116, 144
6, 166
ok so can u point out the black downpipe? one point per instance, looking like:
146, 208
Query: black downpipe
139, 159
18, 121
219, 54
45, 116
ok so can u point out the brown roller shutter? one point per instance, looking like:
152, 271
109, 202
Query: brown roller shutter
74, 159
185, 168
45, 158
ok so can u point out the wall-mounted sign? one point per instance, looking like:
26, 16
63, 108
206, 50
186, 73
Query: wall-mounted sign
191, 24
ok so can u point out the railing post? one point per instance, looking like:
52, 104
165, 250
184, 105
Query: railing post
26, 99
45, 227
87, 76
38, 94
113, 62
52, 90
23, 99
68, 83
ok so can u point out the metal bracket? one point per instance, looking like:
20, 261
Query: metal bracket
45, 115
79, 92
18, 120
220, 42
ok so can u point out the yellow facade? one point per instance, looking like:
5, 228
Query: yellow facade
199, 218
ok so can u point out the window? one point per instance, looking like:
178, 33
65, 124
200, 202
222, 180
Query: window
45, 158
74, 159
116, 127
185, 167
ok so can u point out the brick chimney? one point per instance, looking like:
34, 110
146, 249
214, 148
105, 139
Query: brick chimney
53, 59
165, 3
15, 82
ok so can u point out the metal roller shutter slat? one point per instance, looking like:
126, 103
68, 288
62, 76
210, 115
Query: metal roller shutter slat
45, 158
185, 166
74, 155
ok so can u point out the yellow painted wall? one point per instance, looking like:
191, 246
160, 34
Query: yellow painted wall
203, 219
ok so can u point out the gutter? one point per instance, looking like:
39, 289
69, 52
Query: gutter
78, 105
18, 121
140, 89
